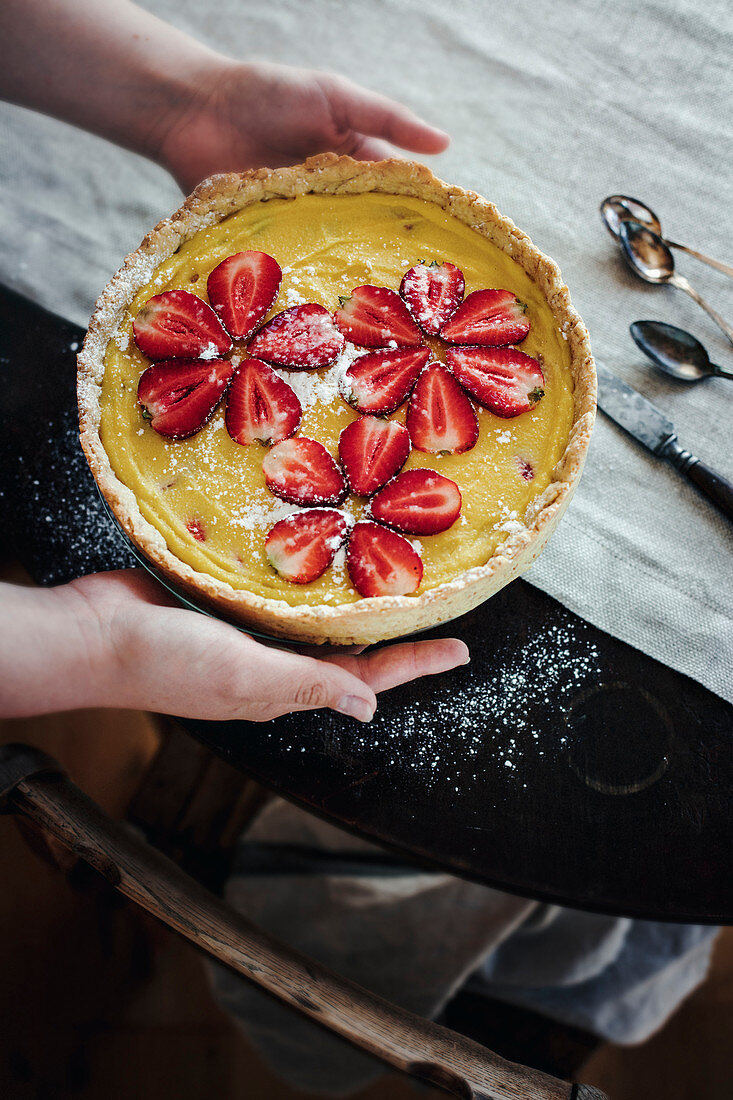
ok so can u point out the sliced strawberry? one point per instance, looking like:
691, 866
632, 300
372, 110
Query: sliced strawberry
302, 337
504, 380
525, 467
420, 502
381, 562
433, 292
440, 418
176, 325
380, 381
196, 528
374, 316
302, 471
179, 396
242, 288
261, 406
371, 452
489, 318
302, 546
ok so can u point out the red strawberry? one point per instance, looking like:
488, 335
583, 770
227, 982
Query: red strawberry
504, 380
197, 529
302, 546
489, 318
381, 562
261, 406
525, 467
176, 325
302, 337
179, 396
440, 418
433, 292
420, 502
373, 316
371, 452
241, 290
302, 471
380, 381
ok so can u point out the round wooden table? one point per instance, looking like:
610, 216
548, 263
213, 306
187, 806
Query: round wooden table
561, 764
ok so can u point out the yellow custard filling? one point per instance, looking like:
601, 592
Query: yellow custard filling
327, 245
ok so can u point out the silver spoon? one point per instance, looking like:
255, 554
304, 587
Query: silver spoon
675, 351
620, 208
651, 259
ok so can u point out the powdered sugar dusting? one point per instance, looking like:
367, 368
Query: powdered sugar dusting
261, 511
338, 565
509, 520
322, 386
293, 297
500, 718
64, 522
121, 338
209, 352
512, 524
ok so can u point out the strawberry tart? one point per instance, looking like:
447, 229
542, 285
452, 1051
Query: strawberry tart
337, 403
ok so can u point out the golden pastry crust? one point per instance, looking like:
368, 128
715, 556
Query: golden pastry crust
377, 618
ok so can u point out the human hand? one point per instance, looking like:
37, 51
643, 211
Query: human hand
118, 71
145, 652
242, 116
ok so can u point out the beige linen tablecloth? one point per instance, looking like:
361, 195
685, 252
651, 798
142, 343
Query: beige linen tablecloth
551, 107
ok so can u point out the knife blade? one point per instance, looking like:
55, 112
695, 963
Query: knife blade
634, 413
655, 431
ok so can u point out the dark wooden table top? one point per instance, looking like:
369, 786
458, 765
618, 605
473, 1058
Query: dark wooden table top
561, 764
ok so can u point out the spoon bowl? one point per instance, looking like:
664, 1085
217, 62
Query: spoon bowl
673, 350
650, 257
618, 209
646, 252
622, 208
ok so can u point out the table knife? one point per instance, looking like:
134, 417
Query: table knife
650, 427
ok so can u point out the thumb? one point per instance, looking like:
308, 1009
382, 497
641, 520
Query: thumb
376, 116
307, 683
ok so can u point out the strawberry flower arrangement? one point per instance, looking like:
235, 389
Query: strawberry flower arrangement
189, 341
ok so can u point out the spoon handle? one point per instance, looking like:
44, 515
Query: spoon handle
725, 268
681, 282
721, 372
714, 485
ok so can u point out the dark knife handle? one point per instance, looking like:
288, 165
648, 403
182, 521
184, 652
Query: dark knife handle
714, 485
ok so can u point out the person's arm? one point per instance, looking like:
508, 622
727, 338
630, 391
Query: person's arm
118, 71
117, 640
